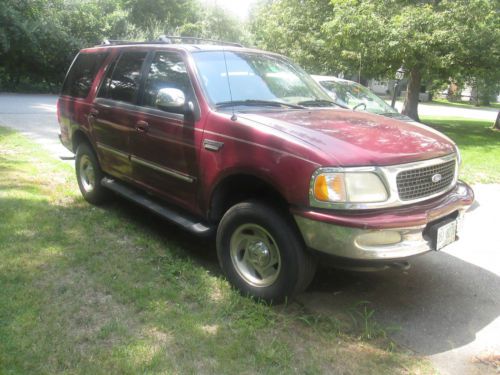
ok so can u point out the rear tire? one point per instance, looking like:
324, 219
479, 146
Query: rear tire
261, 252
89, 175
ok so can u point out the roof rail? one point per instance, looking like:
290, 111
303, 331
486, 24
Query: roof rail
110, 42
195, 40
168, 39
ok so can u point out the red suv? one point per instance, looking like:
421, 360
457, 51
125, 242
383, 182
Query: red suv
243, 143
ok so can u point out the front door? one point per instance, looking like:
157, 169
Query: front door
164, 145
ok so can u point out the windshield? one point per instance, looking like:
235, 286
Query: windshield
352, 94
256, 79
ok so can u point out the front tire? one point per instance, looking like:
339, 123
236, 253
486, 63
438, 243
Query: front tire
89, 175
261, 252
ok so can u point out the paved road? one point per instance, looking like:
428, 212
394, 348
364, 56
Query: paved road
34, 116
446, 306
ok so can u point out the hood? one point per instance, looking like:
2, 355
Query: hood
357, 138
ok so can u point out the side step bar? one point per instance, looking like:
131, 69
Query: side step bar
167, 213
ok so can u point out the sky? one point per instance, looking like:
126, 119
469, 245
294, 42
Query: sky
239, 8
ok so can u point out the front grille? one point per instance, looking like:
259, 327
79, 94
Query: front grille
417, 183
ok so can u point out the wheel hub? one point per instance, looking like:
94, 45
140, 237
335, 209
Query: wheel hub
259, 254
255, 255
87, 174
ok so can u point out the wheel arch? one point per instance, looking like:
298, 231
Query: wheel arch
238, 187
78, 137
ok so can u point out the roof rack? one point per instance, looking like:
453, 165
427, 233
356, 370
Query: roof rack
168, 39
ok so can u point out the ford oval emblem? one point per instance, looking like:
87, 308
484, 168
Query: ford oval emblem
436, 178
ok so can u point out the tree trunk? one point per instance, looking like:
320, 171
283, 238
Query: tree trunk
497, 122
410, 106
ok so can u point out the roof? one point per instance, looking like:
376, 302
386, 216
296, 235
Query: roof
330, 78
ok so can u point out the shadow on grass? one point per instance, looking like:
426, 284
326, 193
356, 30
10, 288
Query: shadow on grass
201, 250
432, 306
132, 283
116, 289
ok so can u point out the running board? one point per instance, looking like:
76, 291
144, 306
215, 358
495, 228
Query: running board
167, 213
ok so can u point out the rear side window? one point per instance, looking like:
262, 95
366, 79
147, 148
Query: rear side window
82, 74
125, 79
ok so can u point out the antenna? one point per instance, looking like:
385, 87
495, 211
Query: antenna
233, 117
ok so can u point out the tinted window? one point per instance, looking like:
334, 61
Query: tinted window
125, 80
82, 74
167, 70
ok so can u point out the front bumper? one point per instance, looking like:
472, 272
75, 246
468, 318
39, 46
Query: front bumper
390, 234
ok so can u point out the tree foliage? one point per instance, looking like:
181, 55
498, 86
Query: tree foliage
215, 23
172, 13
39, 38
294, 28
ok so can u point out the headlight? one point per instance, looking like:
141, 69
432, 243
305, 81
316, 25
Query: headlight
348, 187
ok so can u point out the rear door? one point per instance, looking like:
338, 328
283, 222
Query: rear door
73, 105
163, 147
114, 112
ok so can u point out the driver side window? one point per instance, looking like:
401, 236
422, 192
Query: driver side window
167, 70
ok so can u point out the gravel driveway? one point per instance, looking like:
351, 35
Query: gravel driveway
446, 306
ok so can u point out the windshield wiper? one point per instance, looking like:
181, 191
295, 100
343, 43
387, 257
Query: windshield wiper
321, 103
391, 114
257, 103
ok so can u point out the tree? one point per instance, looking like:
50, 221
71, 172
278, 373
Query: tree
430, 38
496, 125
39, 38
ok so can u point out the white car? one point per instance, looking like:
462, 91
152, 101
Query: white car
352, 95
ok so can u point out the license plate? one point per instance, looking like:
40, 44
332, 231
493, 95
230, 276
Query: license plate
446, 234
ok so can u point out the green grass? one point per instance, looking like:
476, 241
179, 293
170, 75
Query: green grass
478, 144
462, 104
114, 290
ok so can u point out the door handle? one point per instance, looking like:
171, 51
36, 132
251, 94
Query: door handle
142, 126
93, 112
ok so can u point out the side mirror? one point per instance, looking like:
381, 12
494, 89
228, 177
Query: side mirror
170, 99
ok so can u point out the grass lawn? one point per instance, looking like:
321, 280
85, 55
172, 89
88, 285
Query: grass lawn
478, 143
115, 290
462, 104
